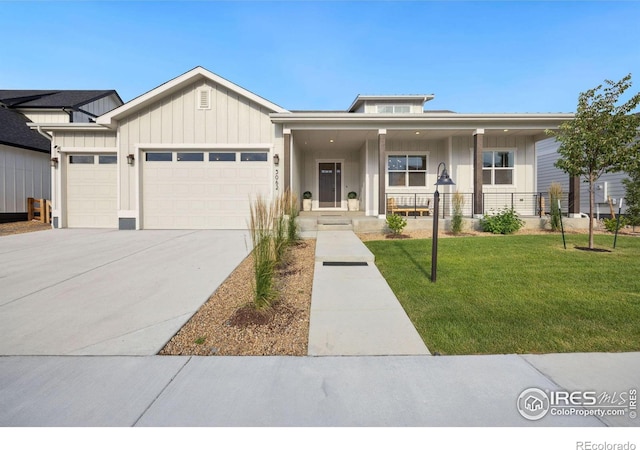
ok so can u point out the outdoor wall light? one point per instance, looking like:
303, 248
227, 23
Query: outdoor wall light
276, 159
443, 180
130, 159
54, 162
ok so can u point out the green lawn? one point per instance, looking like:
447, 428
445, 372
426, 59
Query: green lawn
518, 294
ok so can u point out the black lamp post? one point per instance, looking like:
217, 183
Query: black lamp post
443, 180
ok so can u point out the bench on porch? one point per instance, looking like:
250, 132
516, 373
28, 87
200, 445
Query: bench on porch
399, 206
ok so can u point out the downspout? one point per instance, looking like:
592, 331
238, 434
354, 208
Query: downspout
53, 170
39, 128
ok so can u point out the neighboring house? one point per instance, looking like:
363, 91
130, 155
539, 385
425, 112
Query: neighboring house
608, 185
192, 152
25, 153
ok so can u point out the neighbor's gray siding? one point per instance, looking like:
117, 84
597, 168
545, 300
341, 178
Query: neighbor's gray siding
547, 155
97, 108
23, 173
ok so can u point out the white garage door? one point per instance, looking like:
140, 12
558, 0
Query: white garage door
202, 189
92, 191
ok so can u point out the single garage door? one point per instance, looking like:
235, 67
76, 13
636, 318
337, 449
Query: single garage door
202, 189
92, 191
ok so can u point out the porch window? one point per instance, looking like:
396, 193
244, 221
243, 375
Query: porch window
407, 170
497, 167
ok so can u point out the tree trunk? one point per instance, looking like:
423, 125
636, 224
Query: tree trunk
592, 202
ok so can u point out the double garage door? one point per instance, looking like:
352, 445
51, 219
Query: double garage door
179, 189
201, 189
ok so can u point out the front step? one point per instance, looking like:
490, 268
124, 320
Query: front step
335, 223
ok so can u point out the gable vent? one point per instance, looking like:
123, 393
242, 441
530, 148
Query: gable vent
204, 99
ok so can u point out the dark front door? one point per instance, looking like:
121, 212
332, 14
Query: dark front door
330, 184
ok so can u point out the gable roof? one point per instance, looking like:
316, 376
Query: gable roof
15, 132
52, 98
175, 85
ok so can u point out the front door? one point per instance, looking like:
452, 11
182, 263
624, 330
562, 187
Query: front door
330, 184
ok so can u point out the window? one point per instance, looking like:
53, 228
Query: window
407, 170
393, 109
81, 159
253, 156
222, 156
107, 159
497, 167
159, 157
190, 156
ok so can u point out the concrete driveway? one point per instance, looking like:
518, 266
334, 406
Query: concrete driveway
107, 292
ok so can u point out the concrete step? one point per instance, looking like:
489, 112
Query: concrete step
334, 227
331, 220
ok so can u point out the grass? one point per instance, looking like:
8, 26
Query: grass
518, 294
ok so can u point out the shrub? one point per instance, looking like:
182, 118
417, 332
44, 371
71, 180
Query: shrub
306, 195
264, 259
555, 193
505, 221
352, 195
396, 223
611, 224
279, 231
456, 220
292, 211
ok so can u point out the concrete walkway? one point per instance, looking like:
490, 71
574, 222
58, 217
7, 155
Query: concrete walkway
353, 309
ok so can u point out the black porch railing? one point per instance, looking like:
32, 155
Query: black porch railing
527, 204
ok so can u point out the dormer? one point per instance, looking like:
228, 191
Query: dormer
390, 104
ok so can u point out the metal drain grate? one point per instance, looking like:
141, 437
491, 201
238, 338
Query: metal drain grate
345, 263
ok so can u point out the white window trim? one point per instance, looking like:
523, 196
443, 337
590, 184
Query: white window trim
406, 186
515, 165
393, 106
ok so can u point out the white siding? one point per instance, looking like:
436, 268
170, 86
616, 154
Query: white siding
46, 116
23, 173
175, 120
85, 139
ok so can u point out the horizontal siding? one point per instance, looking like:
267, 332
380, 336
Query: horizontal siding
85, 139
23, 174
547, 155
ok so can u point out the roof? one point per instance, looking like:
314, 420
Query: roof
52, 98
175, 85
15, 132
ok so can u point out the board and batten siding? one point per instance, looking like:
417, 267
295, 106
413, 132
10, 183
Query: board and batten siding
176, 119
46, 116
97, 108
85, 139
547, 155
23, 173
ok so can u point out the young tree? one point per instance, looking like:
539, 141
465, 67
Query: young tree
602, 137
632, 196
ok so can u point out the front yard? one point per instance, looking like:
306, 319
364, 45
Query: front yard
518, 294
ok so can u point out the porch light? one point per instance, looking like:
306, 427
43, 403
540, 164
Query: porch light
443, 180
54, 162
130, 159
276, 159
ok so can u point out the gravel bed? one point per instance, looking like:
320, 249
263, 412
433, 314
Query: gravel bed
218, 329
23, 227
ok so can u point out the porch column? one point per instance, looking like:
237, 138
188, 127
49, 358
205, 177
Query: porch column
382, 150
478, 136
286, 176
574, 196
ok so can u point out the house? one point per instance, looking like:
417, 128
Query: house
608, 186
192, 152
25, 153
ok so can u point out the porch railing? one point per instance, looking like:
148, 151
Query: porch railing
527, 204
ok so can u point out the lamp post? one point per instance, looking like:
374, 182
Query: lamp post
443, 180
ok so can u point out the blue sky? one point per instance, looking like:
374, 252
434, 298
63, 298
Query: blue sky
474, 56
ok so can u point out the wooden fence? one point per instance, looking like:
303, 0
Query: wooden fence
39, 209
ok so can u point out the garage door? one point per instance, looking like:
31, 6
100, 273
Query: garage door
202, 189
92, 191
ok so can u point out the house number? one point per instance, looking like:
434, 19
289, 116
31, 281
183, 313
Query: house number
276, 178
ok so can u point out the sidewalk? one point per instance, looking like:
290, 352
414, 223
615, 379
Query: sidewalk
353, 309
